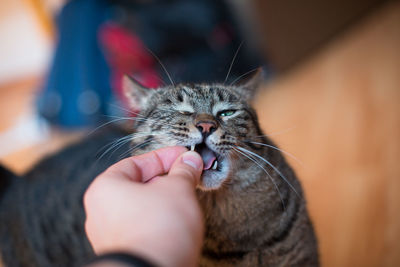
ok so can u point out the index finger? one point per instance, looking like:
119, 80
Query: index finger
146, 166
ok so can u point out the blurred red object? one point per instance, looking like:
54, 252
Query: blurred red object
126, 54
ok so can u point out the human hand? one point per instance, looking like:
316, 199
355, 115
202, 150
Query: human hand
131, 208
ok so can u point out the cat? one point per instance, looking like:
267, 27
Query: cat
254, 209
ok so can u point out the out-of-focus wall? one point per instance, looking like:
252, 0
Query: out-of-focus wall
25, 46
339, 114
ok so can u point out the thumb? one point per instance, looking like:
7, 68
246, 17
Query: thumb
188, 166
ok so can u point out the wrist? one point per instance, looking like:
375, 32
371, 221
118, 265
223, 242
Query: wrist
164, 251
118, 259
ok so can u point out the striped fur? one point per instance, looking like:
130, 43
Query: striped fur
254, 209
255, 213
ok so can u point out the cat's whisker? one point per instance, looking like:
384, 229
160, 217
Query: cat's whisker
117, 119
134, 148
122, 118
105, 124
162, 80
233, 60
122, 141
156, 122
139, 146
269, 176
124, 109
241, 76
129, 137
276, 148
118, 140
271, 165
162, 65
115, 146
136, 113
276, 133
159, 78
138, 117
141, 119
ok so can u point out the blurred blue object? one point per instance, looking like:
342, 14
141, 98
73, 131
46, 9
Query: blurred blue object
77, 91
101, 40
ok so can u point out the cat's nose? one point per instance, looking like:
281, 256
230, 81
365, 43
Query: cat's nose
206, 127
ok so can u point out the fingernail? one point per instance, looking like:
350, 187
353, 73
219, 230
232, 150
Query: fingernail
192, 159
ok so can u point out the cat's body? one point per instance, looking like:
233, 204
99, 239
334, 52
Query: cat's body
41, 213
254, 209
241, 230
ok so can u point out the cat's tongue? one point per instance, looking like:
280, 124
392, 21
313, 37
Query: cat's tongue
208, 158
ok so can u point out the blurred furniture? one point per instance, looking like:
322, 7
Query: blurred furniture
292, 30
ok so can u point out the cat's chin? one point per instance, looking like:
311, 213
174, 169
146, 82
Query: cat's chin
214, 179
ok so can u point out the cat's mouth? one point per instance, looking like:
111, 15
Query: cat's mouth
210, 158
215, 167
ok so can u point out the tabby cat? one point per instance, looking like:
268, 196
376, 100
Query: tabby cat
255, 213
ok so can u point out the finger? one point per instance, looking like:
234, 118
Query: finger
146, 166
188, 166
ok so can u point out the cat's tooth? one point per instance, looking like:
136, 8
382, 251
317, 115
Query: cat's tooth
215, 165
192, 147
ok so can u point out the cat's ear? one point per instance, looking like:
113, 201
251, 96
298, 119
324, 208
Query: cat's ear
135, 93
249, 87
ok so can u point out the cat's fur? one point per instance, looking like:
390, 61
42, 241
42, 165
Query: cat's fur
255, 212
41, 213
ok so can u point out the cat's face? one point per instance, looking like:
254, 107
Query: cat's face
211, 119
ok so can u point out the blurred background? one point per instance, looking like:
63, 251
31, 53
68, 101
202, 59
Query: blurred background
331, 97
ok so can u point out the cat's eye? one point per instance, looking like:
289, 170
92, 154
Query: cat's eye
226, 113
186, 113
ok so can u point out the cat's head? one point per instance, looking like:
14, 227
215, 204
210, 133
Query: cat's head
211, 119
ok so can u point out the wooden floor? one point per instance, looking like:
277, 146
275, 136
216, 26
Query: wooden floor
339, 114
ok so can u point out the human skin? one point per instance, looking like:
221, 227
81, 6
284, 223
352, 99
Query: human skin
146, 205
